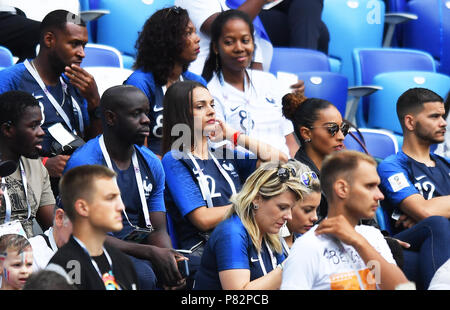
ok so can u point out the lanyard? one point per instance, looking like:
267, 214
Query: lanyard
203, 182
285, 246
56, 105
273, 259
92, 260
8, 201
137, 173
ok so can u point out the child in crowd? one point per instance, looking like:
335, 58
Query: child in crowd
16, 261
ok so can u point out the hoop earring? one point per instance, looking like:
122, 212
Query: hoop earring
308, 140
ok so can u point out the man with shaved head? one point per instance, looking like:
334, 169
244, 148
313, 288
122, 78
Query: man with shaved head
141, 178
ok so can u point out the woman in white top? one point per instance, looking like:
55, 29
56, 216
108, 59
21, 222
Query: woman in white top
248, 100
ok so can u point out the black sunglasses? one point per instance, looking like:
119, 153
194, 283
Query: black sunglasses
175, 9
333, 128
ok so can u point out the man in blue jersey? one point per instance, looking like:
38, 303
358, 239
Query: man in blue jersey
67, 93
416, 184
415, 181
141, 178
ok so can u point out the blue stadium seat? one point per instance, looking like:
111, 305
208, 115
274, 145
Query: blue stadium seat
330, 86
353, 24
382, 106
6, 58
379, 143
295, 60
100, 55
120, 28
369, 62
431, 31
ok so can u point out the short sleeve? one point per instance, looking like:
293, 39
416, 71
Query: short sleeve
395, 183
231, 247
47, 197
183, 189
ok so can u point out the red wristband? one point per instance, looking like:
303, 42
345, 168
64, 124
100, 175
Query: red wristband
236, 137
44, 160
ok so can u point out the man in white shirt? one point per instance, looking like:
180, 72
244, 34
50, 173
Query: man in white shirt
46, 244
339, 254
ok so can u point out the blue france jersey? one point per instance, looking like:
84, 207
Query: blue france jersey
17, 77
401, 176
152, 175
230, 247
184, 194
154, 92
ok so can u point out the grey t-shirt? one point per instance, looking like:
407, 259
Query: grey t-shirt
39, 193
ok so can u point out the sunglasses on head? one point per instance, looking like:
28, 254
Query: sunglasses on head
284, 174
333, 128
308, 177
174, 9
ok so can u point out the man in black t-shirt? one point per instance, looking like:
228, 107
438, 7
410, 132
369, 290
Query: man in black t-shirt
91, 198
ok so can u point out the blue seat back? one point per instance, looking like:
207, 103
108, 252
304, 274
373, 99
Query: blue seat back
120, 28
372, 61
379, 143
352, 24
326, 85
382, 107
295, 60
397, 5
425, 32
6, 58
99, 55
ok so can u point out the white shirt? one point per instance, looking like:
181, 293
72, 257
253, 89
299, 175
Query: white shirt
441, 279
257, 111
41, 252
199, 11
325, 263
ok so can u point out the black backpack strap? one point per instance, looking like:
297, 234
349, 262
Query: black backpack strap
47, 239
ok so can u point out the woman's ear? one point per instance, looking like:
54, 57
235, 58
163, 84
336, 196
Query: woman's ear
305, 133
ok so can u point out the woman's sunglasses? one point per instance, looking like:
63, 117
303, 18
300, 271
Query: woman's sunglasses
333, 128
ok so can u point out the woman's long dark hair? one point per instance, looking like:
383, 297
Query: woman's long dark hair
178, 110
161, 42
213, 63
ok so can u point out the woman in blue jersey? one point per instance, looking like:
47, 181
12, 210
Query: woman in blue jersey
200, 180
166, 46
244, 251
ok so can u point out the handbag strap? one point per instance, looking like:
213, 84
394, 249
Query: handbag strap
361, 141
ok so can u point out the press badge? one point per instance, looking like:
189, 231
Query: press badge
60, 134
